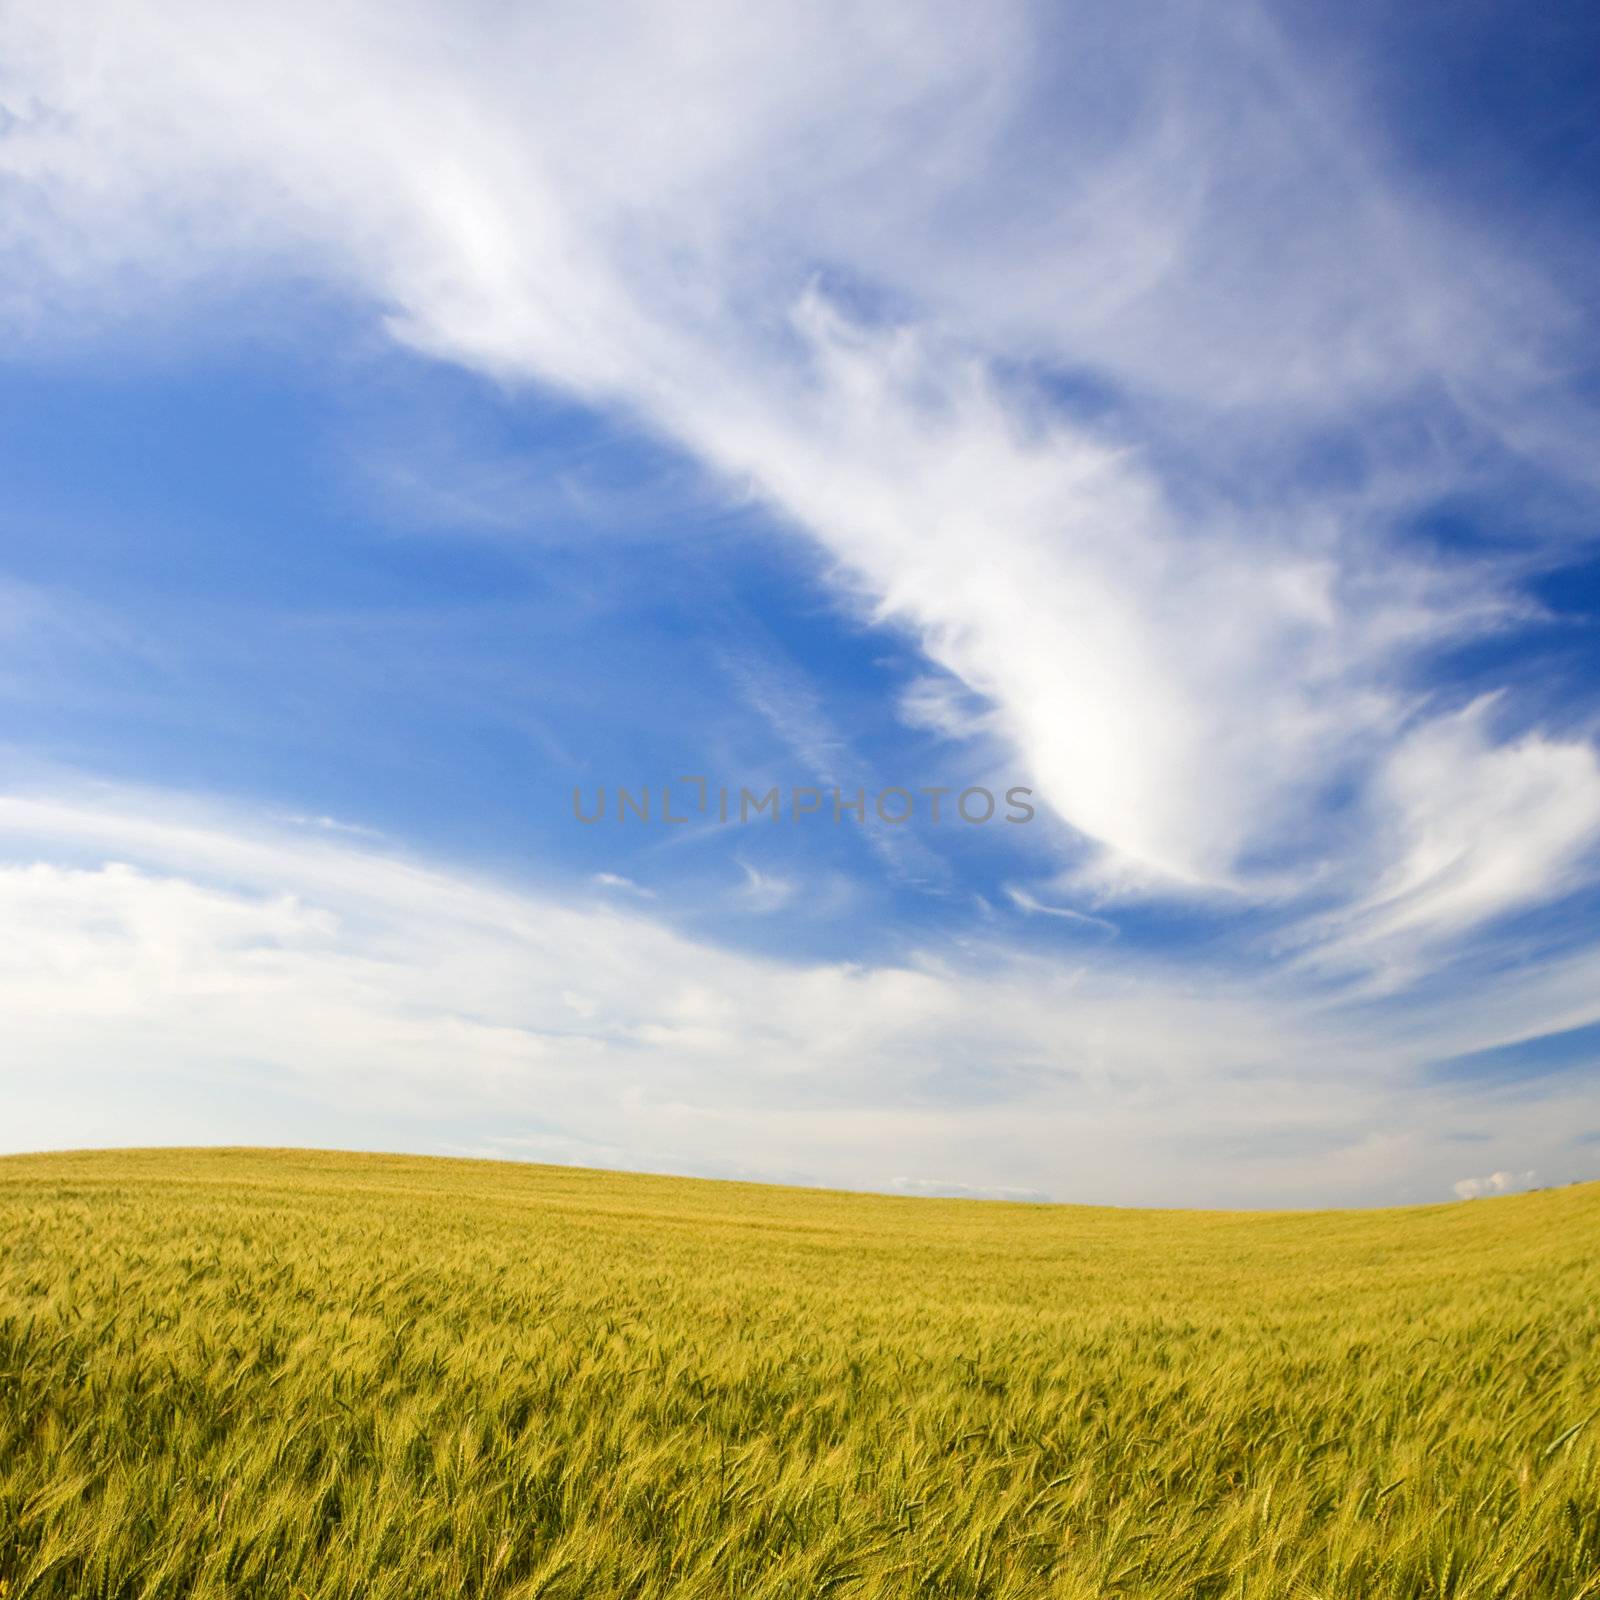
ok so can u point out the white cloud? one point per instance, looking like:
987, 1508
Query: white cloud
765, 891
656, 207
940, 706
615, 880
1475, 829
1025, 901
1495, 1183
169, 970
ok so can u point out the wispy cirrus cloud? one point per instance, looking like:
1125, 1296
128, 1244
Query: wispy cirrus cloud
688, 219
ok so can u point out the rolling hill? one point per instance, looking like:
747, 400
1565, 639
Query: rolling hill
288, 1373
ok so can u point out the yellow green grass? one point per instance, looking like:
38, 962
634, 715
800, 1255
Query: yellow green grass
243, 1373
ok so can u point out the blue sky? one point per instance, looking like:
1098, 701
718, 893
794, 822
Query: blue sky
410, 415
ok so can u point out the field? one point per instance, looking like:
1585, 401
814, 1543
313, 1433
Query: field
259, 1373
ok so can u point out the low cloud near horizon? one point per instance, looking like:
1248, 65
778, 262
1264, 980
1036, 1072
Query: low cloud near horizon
200, 976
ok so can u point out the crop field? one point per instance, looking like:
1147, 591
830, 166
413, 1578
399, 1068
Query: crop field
308, 1375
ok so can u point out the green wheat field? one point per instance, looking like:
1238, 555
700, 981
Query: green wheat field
296, 1374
